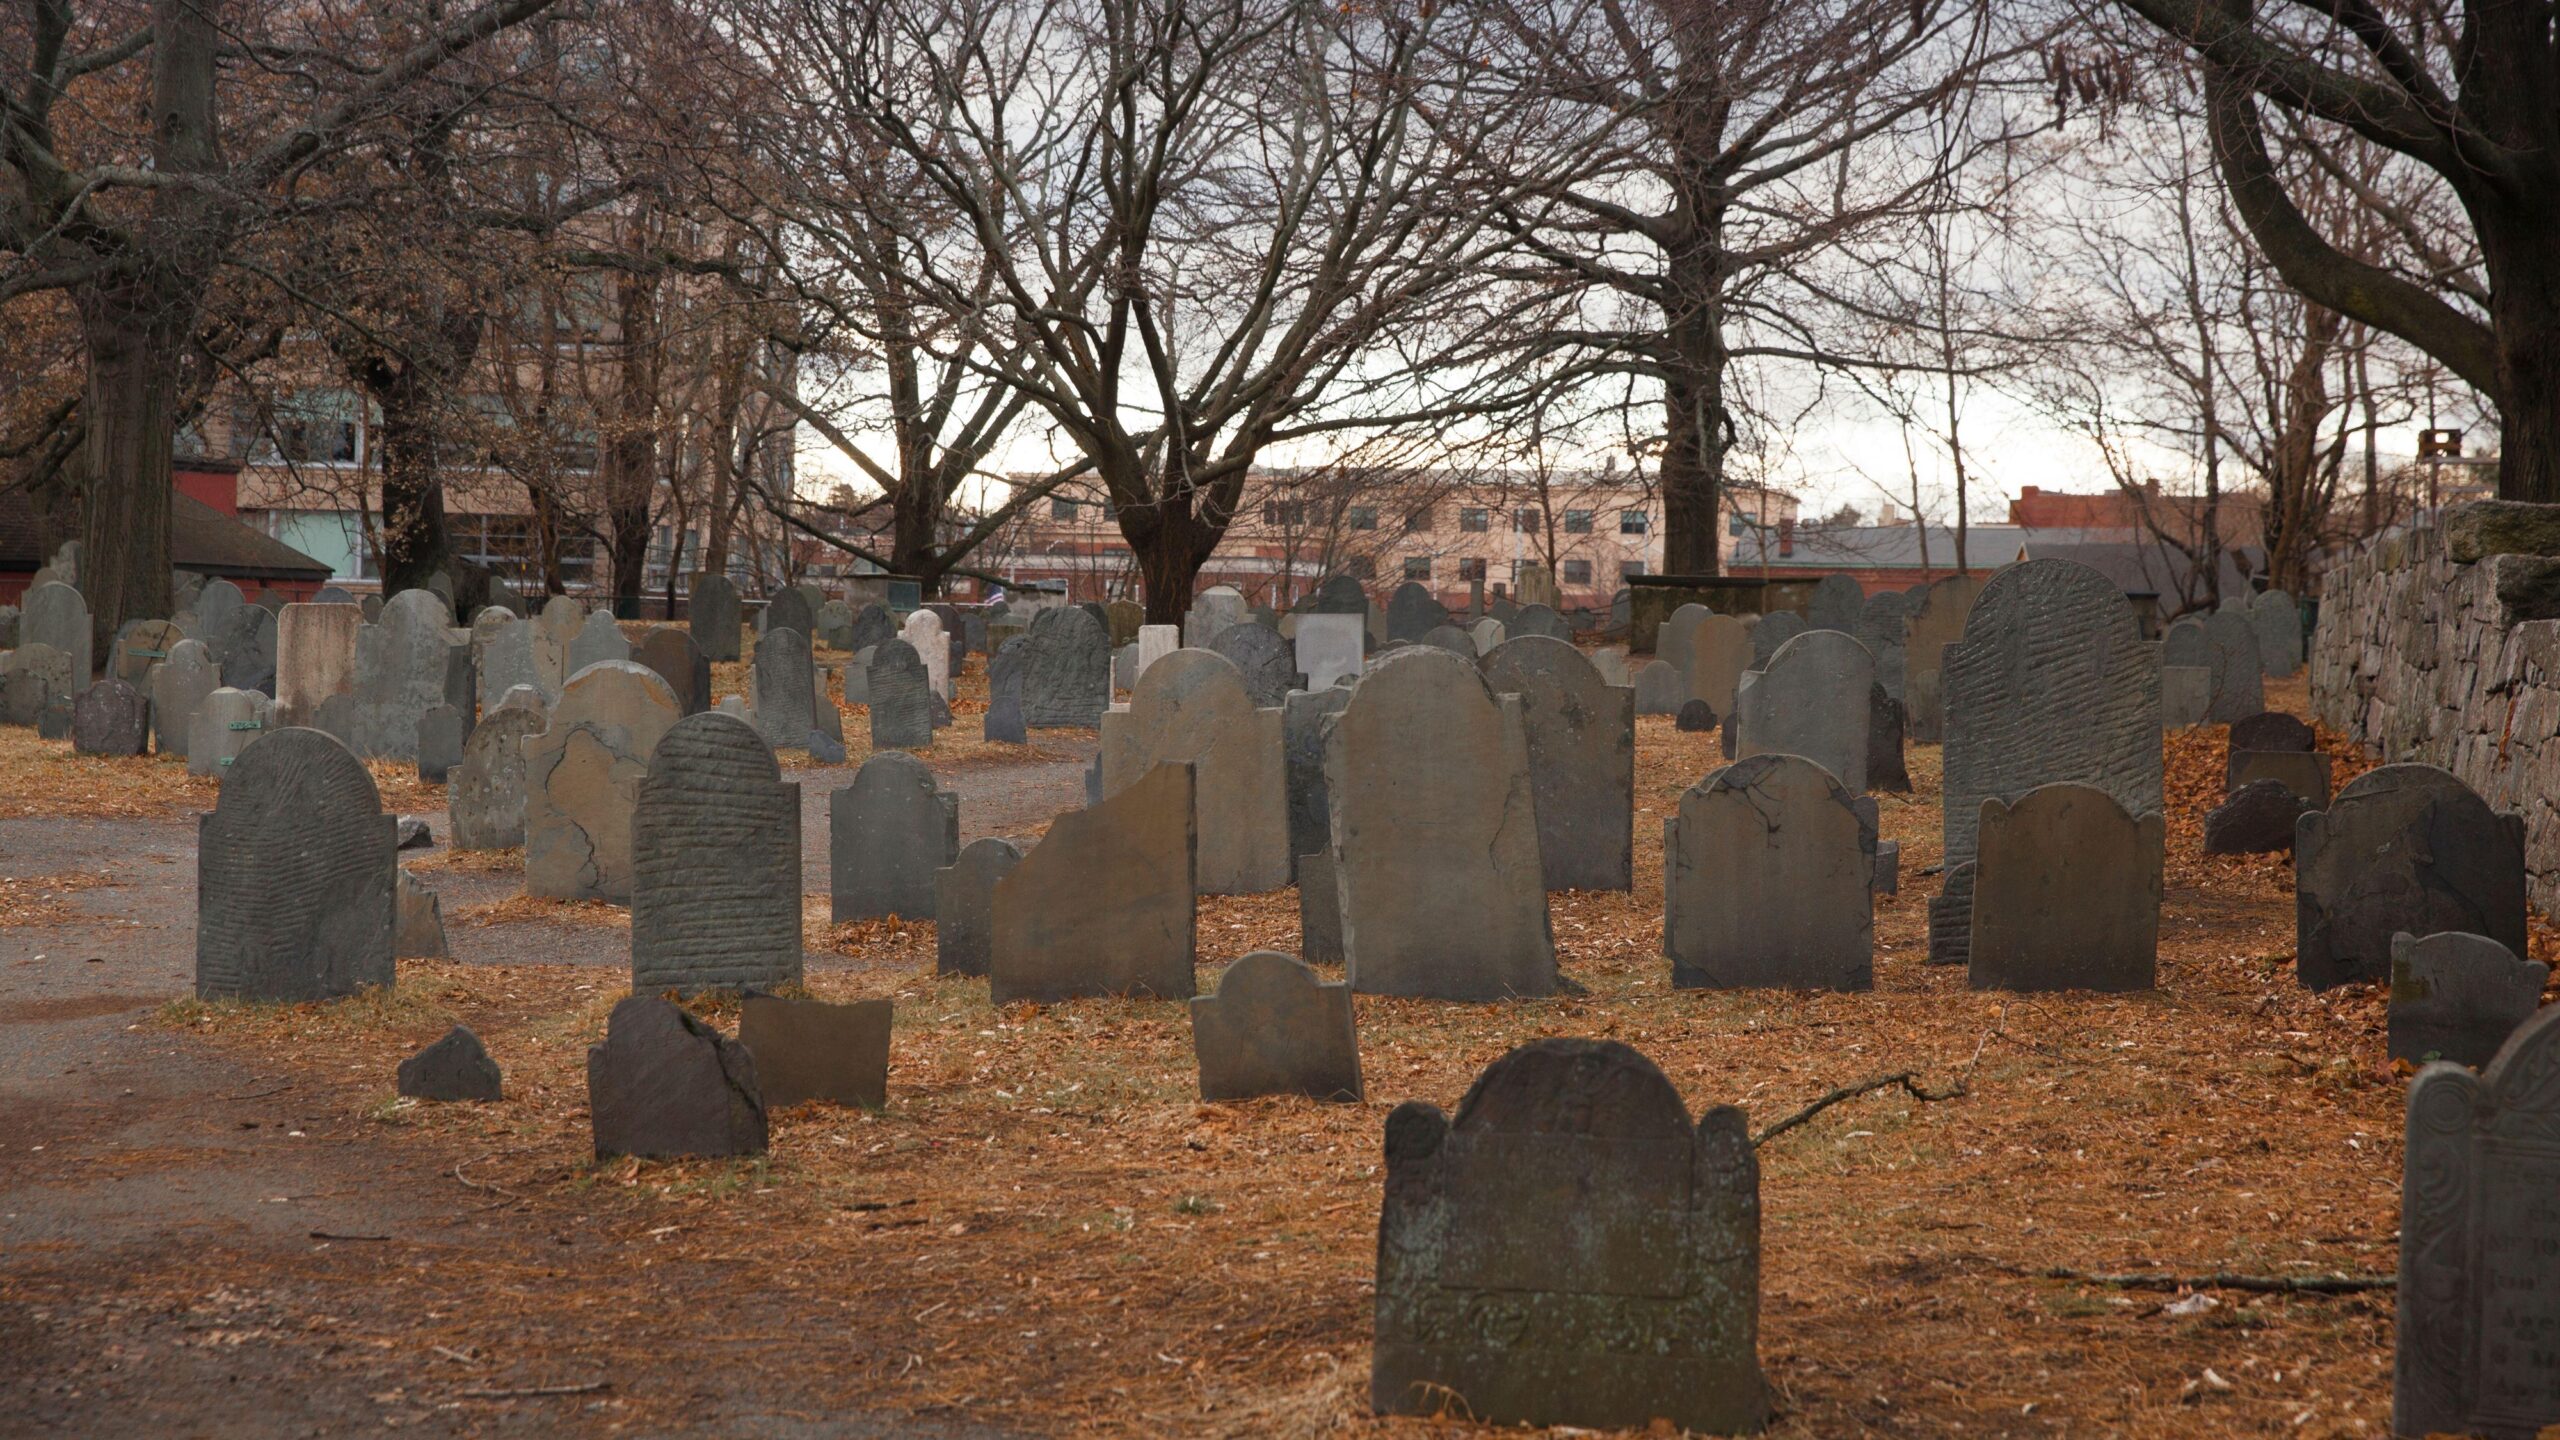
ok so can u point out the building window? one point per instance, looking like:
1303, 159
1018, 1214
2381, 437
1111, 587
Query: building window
1360, 567
1284, 514
1364, 517
1062, 510
1630, 568
1417, 567
1577, 572
1417, 520
1737, 524
1471, 569
1577, 522
1634, 522
1527, 520
1474, 519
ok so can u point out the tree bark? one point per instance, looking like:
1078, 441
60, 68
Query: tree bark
2524, 307
631, 454
135, 335
1698, 430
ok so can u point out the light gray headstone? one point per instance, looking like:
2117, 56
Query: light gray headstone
179, 686
32, 676
900, 696
55, 614
1671, 642
1538, 620
1329, 646
506, 658
2277, 619
1263, 658
964, 901
597, 640
712, 617
1582, 760
406, 665
485, 792
1275, 1028
582, 782
2458, 997
315, 658
888, 834
2186, 695
1191, 707
715, 887
554, 630
2403, 847
1212, 611
295, 868
1154, 642
1452, 639
1812, 700
932, 644
214, 606
1066, 677
1659, 689
1768, 874
2066, 893
1105, 903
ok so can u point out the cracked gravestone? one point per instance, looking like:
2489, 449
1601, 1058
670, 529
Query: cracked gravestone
2402, 847
1105, 904
1769, 867
1582, 760
1191, 707
964, 897
582, 780
2458, 997
485, 790
663, 1084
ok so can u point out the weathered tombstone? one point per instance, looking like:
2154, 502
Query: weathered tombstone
1485, 634
1435, 836
712, 617
1538, 620
715, 863
1122, 618
1153, 644
1719, 650
1003, 721
1303, 718
1938, 615
873, 625
294, 876
333, 595
2458, 997
417, 921
663, 1085
1212, 611
888, 833
505, 650
2272, 730
244, 643
789, 609
228, 722
1582, 760
2223, 644
2277, 620
1329, 647
1452, 639
37, 675
2479, 1290
554, 629
442, 732
786, 688
900, 696
56, 614
598, 640
835, 625
141, 644
1263, 658
1659, 689
2051, 682
1837, 604
675, 658
2066, 893
315, 658
214, 605
1192, 708
1881, 623
923, 631
582, 782
2186, 695
1813, 699
2304, 772
1338, 595
2403, 847
179, 686
1641, 1307
1066, 675
110, 718
1274, 1028
485, 791
2256, 819
371, 605
964, 905
1413, 612
405, 666
455, 1068
1106, 903
1886, 772
1768, 872
1770, 635
811, 1050
1696, 717
1124, 667
1673, 640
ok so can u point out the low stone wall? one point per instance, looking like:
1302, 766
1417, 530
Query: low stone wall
2441, 644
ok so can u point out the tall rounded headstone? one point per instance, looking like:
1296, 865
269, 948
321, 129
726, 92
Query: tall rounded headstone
295, 874
1191, 707
715, 889
712, 617
888, 834
1582, 760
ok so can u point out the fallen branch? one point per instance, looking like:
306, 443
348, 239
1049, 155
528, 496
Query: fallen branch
1908, 1080
334, 1235
2223, 1280
535, 1391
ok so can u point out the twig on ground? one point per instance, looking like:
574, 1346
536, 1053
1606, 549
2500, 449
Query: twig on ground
1909, 1080
2223, 1280
531, 1391
334, 1235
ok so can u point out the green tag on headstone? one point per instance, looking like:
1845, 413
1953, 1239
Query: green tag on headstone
149, 654
247, 725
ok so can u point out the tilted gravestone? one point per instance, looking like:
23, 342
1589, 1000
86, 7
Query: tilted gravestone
1886, 772
1582, 760
1302, 728
2277, 619
789, 610
455, 1068
406, 665
56, 614
417, 921
1774, 630
900, 695
1262, 657
676, 659
215, 603
785, 702
598, 640
1414, 612
1066, 675
1003, 722
664, 1085
1538, 620
1570, 1250
1938, 616
1812, 699
315, 658
1191, 707
1274, 1028
964, 900
1329, 647
245, 645
2051, 682
2403, 847
110, 718
1105, 904
1435, 836
140, 645
582, 780
888, 833
711, 617
179, 686
2066, 893
485, 791
2479, 1284
1486, 634
811, 1050
295, 871
2458, 997
715, 854
1767, 873
1719, 651
1837, 603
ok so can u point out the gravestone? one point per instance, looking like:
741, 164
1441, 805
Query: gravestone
811, 1050
2066, 893
1938, 615
1770, 635
417, 921
1329, 647
1122, 618
1452, 639
315, 658
1695, 718
1768, 871
2277, 620
110, 718
715, 863
1263, 658
1881, 623
442, 731
2256, 819
214, 604
1886, 773
455, 1068
888, 833
1813, 700
1212, 611
2403, 847
1153, 644
1538, 620
789, 609
1003, 721
179, 686
1338, 595
1570, 1250
371, 605
582, 781
964, 901
1485, 634
244, 644
785, 681
2304, 772
2479, 1292
485, 792
672, 655
1303, 718
598, 640
56, 614
554, 630
505, 650
2230, 651
1582, 761
1837, 604
1659, 689
405, 666
873, 625
711, 617
835, 625
1413, 612
32, 676
2272, 730
1066, 675
900, 695
2051, 682
141, 644
1124, 667
1435, 836
294, 875
1192, 708
2458, 997
923, 631
665, 1085
1274, 1028
228, 722
1674, 639
1105, 904
1719, 651
2186, 695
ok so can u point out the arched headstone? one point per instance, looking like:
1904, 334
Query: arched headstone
715, 887
964, 901
1066, 677
1582, 760
582, 782
1263, 658
1812, 700
179, 686
888, 834
900, 697
1767, 869
2403, 847
485, 793
712, 617
1191, 707
2066, 893
1275, 1028
295, 871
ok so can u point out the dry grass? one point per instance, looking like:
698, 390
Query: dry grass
48, 780
1046, 1228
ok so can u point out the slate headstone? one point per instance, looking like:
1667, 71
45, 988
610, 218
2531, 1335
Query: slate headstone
1275, 1028
485, 792
1768, 871
812, 1050
1695, 718
789, 609
2304, 772
1659, 689
417, 920
2458, 997
1719, 650
442, 731
1813, 699
2066, 893
2272, 730
1837, 604
1262, 657
1939, 613
244, 643
1582, 760
2256, 819
900, 696
665, 1085
2277, 620
1772, 633
676, 659
2402, 847
1003, 721
228, 722
406, 665
1105, 903
110, 718
715, 885
964, 899
295, 868
1066, 675
786, 688
888, 833
873, 625
455, 1068
1302, 733
1413, 612
179, 686
1882, 621
1886, 771
712, 617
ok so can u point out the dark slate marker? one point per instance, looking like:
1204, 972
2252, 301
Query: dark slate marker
664, 1084
1274, 1028
456, 1067
811, 1050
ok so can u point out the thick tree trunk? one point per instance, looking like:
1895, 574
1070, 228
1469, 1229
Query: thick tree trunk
2524, 306
1170, 540
915, 514
1697, 433
135, 337
631, 453
416, 546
